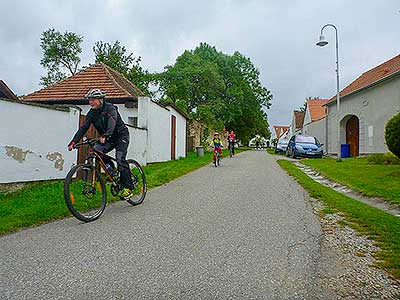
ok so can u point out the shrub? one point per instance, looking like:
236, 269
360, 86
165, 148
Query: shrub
384, 159
392, 135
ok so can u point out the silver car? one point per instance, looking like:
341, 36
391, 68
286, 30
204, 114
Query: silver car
281, 146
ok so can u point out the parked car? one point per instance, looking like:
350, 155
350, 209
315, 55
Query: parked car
281, 146
304, 146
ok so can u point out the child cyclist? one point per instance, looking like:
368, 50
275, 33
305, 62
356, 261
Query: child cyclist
217, 145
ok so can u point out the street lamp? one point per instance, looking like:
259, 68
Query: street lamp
322, 42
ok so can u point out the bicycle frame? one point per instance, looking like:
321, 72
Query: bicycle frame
97, 156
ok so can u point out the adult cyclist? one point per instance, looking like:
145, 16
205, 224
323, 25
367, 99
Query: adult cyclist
231, 141
113, 135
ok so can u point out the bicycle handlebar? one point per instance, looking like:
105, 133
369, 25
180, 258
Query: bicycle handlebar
86, 142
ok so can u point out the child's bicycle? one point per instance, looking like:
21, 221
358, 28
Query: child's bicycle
217, 156
85, 189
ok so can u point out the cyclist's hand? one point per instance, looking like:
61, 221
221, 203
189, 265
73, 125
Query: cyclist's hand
102, 139
71, 146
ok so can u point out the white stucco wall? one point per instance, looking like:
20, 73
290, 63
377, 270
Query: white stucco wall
159, 133
317, 129
180, 145
137, 149
373, 107
33, 142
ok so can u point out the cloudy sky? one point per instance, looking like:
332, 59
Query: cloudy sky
278, 36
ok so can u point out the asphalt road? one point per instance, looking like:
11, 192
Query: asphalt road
241, 231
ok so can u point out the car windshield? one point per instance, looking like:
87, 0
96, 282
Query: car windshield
305, 139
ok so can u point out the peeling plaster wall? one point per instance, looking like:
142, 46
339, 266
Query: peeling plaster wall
33, 142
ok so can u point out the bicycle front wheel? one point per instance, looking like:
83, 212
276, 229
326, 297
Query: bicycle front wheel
139, 183
85, 192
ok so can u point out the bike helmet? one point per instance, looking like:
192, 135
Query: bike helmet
95, 94
215, 133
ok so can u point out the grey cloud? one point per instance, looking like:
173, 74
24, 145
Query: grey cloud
279, 37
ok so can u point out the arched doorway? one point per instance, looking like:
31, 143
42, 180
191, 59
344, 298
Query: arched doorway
352, 135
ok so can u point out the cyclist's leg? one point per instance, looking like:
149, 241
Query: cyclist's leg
121, 149
105, 148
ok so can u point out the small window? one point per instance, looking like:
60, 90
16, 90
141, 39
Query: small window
133, 121
130, 105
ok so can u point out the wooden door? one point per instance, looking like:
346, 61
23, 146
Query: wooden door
352, 135
173, 137
91, 133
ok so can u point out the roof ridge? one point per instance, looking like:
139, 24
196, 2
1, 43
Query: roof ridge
380, 65
63, 80
106, 68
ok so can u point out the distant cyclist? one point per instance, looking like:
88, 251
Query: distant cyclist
114, 134
216, 144
231, 141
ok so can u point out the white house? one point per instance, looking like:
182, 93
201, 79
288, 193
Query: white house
365, 107
314, 119
157, 133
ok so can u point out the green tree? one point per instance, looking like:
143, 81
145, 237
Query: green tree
116, 57
220, 90
392, 130
60, 54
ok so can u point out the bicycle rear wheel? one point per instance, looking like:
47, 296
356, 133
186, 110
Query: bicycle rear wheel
85, 192
139, 182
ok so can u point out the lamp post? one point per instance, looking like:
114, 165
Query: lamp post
322, 42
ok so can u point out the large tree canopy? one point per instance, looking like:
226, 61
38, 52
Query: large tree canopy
220, 90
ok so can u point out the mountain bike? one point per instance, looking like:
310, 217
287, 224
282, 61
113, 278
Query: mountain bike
85, 188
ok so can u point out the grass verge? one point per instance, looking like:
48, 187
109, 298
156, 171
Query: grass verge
41, 202
376, 224
370, 179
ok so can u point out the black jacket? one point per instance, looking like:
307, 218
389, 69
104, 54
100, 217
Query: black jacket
106, 120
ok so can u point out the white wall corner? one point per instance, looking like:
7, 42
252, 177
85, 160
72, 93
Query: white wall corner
143, 112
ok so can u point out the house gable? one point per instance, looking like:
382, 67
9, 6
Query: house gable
315, 110
7, 93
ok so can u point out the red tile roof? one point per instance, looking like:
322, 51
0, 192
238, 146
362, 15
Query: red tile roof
280, 130
316, 108
75, 87
388, 68
299, 118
